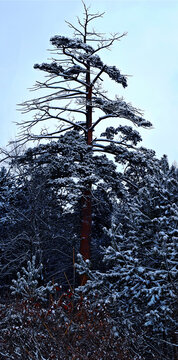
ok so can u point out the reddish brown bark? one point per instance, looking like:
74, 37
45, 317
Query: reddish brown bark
86, 211
86, 225
85, 229
89, 116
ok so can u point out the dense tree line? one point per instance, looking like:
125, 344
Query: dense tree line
96, 214
133, 266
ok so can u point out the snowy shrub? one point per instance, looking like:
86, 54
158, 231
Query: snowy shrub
65, 329
27, 285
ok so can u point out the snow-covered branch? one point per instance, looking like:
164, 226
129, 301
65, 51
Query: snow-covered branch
121, 109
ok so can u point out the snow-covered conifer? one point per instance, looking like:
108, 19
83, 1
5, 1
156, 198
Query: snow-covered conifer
139, 283
27, 285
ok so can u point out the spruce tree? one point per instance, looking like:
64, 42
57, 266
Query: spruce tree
139, 284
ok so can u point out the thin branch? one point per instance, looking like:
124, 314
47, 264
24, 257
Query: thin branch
73, 57
98, 75
27, 105
64, 109
102, 118
115, 142
73, 27
111, 41
95, 16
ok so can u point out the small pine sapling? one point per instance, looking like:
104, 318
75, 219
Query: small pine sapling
27, 285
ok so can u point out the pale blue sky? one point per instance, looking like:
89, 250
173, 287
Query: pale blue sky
149, 53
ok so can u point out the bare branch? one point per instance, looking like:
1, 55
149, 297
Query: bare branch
109, 42
64, 109
74, 28
95, 16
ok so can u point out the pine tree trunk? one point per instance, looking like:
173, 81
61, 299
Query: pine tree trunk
86, 211
86, 225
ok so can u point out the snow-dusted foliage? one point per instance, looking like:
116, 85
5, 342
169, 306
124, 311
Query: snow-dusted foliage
56, 69
94, 60
27, 285
119, 108
46, 206
126, 133
9, 226
5, 188
67, 43
139, 283
64, 43
32, 220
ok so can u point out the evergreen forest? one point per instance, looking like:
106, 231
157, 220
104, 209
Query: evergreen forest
88, 218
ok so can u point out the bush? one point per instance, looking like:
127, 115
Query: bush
65, 329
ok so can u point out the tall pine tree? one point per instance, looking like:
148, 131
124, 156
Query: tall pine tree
76, 105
